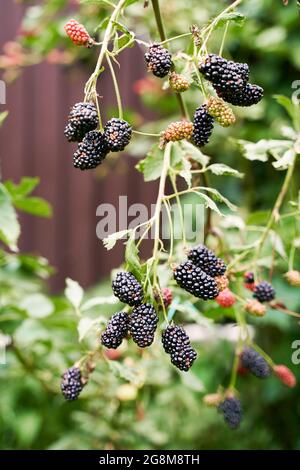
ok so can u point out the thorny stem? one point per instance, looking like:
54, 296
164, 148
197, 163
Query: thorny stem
161, 30
275, 212
181, 218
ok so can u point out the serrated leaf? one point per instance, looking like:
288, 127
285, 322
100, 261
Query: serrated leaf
74, 293
132, 257
177, 154
225, 170
190, 151
9, 225
185, 173
234, 16
84, 326
110, 241
152, 165
133, 375
219, 197
209, 203
261, 149
24, 188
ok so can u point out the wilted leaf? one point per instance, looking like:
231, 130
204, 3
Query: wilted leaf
110, 241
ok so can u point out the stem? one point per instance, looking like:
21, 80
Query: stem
161, 30
146, 134
275, 212
263, 354
207, 228
175, 38
223, 38
181, 218
116, 86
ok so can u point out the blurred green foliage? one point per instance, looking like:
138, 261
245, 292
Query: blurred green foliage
138, 400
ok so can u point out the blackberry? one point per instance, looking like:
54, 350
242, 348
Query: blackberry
195, 281
71, 384
179, 83
249, 278
203, 126
205, 259
264, 292
247, 96
91, 151
232, 411
83, 118
127, 289
118, 134
142, 325
165, 296
224, 74
254, 307
178, 130
177, 343
159, 60
293, 277
255, 363
115, 331
222, 113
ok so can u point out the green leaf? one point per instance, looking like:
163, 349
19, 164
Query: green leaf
177, 154
186, 172
37, 305
258, 218
74, 293
219, 197
190, 151
261, 149
152, 165
209, 203
95, 301
132, 257
25, 187
3, 116
9, 225
234, 16
35, 206
130, 2
286, 103
84, 326
224, 170
133, 375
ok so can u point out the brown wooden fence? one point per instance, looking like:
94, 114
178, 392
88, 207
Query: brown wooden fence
33, 144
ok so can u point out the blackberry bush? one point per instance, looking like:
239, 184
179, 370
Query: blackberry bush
116, 330
127, 289
143, 324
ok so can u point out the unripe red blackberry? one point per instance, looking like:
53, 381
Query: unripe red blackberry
118, 134
116, 330
255, 363
206, 260
177, 343
91, 151
143, 324
285, 375
195, 281
83, 118
71, 384
127, 289
232, 411
264, 292
222, 113
247, 96
226, 298
224, 74
177, 131
203, 126
249, 280
78, 34
293, 277
159, 60
179, 83
254, 307
165, 295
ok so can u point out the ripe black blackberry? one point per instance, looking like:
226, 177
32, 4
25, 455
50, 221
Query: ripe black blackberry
255, 363
127, 289
142, 325
118, 134
249, 277
177, 343
264, 292
203, 126
195, 281
91, 151
71, 384
116, 330
205, 259
232, 411
83, 118
159, 60
224, 74
247, 96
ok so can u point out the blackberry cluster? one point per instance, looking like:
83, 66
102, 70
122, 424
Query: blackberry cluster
232, 411
195, 281
264, 292
177, 343
127, 289
248, 96
71, 384
203, 126
142, 325
117, 134
91, 151
255, 363
159, 60
115, 331
205, 259
224, 74
83, 118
